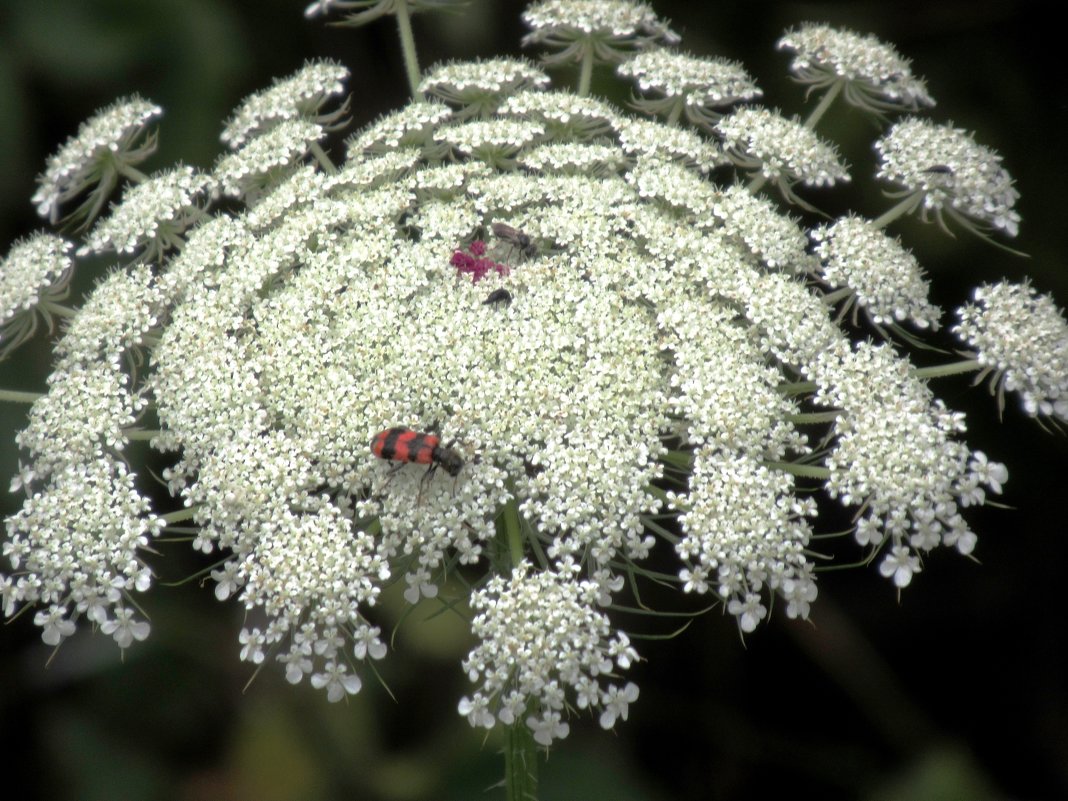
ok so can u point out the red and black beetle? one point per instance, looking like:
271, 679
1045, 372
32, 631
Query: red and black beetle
403, 445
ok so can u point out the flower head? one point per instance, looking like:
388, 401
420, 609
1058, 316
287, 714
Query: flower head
949, 174
606, 29
107, 145
34, 274
883, 278
873, 74
778, 149
1020, 338
675, 82
300, 96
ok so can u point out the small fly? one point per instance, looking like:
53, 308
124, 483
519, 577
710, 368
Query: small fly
516, 238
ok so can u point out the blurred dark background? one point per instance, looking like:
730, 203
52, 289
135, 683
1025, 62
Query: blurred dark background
959, 690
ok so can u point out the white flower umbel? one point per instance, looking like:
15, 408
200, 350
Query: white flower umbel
479, 87
302, 95
702, 88
153, 215
1020, 339
83, 564
870, 74
895, 457
875, 274
34, 278
770, 147
106, 146
942, 171
543, 646
584, 326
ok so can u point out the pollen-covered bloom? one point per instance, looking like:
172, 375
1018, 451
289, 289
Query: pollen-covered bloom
1020, 339
873, 75
944, 172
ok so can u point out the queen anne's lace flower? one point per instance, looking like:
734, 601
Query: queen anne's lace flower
703, 88
1020, 338
609, 29
780, 150
153, 215
872, 73
883, 278
479, 87
540, 633
636, 341
948, 173
105, 146
300, 96
35, 273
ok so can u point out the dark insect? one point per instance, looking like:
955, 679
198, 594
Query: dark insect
940, 169
403, 445
516, 238
497, 297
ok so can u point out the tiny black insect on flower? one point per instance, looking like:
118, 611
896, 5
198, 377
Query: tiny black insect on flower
940, 169
403, 445
516, 238
497, 297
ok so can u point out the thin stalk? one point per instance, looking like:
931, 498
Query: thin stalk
585, 73
824, 104
411, 61
942, 370
14, 396
521, 763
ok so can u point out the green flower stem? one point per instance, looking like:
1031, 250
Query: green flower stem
14, 396
675, 113
179, 515
833, 297
910, 203
814, 417
411, 62
322, 158
797, 388
521, 763
143, 434
585, 73
801, 470
58, 309
756, 184
824, 104
940, 371
513, 532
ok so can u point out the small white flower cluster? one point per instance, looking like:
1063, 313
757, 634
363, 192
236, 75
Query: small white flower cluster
883, 278
701, 87
35, 272
300, 96
1020, 338
874, 74
950, 174
541, 638
152, 215
782, 150
610, 29
102, 149
895, 458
